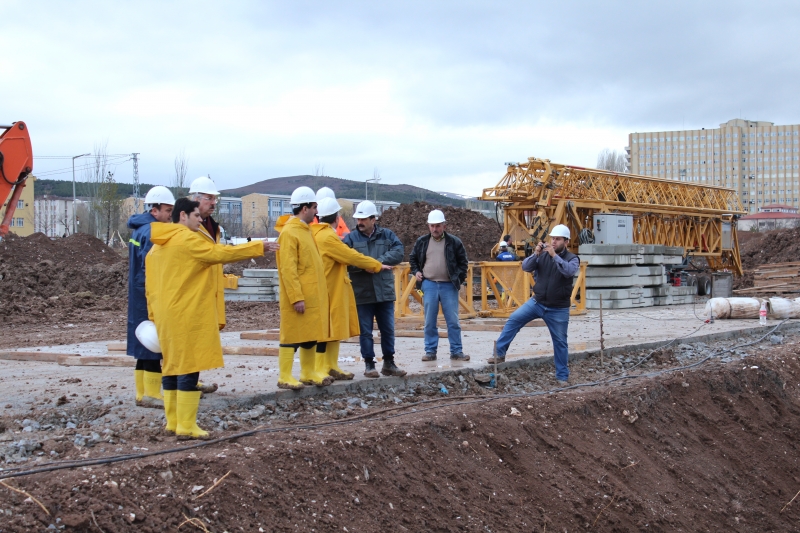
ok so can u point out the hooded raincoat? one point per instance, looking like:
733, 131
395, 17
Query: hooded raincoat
301, 276
138, 246
336, 256
217, 268
181, 288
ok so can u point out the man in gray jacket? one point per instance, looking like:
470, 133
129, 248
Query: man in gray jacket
375, 292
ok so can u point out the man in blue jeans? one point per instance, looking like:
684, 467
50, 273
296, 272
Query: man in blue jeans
375, 292
439, 262
551, 299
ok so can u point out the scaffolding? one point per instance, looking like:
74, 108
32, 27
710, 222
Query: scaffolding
538, 194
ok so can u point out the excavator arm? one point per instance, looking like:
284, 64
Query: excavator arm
16, 164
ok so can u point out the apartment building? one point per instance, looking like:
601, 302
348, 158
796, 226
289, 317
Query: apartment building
24, 215
261, 211
758, 159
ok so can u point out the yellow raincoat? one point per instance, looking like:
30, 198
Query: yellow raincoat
302, 277
181, 287
336, 256
220, 277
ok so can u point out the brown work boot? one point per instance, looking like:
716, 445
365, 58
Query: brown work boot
429, 357
369, 370
496, 359
390, 369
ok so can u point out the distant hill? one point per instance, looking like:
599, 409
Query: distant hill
343, 188
63, 188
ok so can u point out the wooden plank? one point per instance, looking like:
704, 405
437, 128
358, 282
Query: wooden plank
260, 336
111, 360
116, 347
250, 350
43, 357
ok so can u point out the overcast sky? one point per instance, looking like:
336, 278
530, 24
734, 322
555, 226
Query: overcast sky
431, 93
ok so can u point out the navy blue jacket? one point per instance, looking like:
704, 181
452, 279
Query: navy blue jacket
138, 246
384, 246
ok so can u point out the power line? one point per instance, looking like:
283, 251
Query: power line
70, 157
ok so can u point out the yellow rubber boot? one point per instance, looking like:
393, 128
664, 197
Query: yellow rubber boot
285, 362
186, 411
138, 376
321, 361
332, 355
171, 410
308, 369
152, 385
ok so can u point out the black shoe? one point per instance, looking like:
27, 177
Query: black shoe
390, 369
429, 357
459, 357
369, 370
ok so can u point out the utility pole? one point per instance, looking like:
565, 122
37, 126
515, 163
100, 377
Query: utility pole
74, 198
135, 182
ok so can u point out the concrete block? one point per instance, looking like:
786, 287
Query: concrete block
649, 270
620, 304
250, 297
614, 294
683, 290
260, 273
252, 290
660, 290
610, 249
602, 272
673, 250
611, 260
258, 282
649, 281
653, 249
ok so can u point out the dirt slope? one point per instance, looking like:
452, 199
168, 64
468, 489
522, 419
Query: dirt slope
712, 449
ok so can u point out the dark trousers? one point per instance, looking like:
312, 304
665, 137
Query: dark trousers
149, 365
185, 382
383, 314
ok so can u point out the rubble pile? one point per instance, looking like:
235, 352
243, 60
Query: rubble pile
765, 248
478, 233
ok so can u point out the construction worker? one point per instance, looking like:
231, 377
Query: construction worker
158, 204
552, 292
336, 256
503, 253
181, 290
439, 262
204, 191
341, 227
374, 292
305, 318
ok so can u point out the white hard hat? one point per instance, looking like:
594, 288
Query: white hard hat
325, 192
203, 185
148, 336
503, 244
303, 195
327, 206
159, 195
560, 231
365, 209
435, 217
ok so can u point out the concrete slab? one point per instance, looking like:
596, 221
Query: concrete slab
605, 271
620, 304
243, 289
615, 294
260, 273
611, 249
234, 296
609, 260
253, 379
258, 282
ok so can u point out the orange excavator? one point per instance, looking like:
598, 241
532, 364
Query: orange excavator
16, 165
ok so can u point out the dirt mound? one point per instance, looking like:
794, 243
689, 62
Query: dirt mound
764, 248
78, 250
478, 233
696, 450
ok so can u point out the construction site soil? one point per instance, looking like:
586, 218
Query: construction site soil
766, 247
478, 233
704, 439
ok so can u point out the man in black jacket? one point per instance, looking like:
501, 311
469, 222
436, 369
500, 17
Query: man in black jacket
439, 262
552, 293
375, 292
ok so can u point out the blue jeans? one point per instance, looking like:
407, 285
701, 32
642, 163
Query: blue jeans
383, 313
557, 321
434, 293
184, 382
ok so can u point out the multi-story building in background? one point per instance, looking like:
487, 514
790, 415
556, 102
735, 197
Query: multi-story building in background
760, 160
24, 215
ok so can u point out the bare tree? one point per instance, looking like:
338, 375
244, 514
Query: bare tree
612, 160
95, 173
108, 203
376, 178
319, 169
178, 185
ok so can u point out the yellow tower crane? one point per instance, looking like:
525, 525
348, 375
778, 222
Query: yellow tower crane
538, 194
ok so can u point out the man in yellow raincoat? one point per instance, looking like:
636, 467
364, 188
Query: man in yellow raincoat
304, 295
336, 256
181, 287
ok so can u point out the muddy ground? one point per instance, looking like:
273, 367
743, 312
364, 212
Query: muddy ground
709, 448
